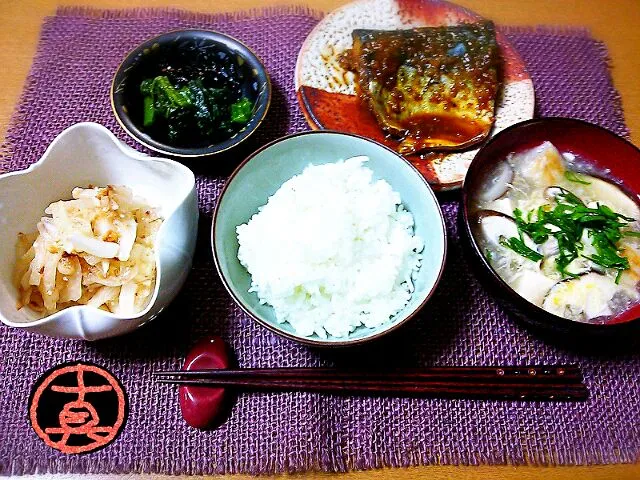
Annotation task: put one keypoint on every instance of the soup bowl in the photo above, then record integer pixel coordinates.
(601, 153)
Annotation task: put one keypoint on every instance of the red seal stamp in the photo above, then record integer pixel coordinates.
(78, 408)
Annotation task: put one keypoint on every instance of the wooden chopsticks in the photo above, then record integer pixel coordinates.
(534, 382)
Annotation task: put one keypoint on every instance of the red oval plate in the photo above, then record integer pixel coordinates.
(326, 91)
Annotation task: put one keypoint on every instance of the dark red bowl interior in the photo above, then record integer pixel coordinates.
(601, 148)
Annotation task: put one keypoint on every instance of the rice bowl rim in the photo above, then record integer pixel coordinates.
(308, 340)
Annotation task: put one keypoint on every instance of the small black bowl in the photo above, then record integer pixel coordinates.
(602, 150)
(194, 50)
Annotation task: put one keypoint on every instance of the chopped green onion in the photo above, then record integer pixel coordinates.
(575, 177)
(488, 255)
(572, 218)
(618, 277)
(518, 246)
(570, 198)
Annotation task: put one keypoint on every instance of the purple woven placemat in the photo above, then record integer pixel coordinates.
(69, 82)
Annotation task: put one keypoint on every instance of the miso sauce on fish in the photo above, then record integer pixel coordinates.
(563, 238)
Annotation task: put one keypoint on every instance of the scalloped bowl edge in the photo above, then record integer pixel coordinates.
(104, 160)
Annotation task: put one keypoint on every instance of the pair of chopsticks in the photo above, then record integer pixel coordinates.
(557, 382)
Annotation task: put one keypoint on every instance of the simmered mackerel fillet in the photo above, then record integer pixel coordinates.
(433, 87)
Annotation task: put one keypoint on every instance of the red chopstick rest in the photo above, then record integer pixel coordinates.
(202, 405)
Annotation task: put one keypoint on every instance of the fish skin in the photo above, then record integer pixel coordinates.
(434, 88)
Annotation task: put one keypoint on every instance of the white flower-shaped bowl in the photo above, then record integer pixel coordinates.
(88, 153)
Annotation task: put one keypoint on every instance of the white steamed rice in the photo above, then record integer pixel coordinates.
(332, 250)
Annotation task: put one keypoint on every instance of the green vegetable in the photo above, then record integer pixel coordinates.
(160, 97)
(192, 110)
(241, 110)
(575, 177)
(146, 87)
(568, 197)
(566, 222)
(488, 255)
(203, 115)
(175, 98)
(518, 246)
(149, 112)
(538, 233)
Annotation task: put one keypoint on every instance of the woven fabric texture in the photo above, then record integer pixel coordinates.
(462, 324)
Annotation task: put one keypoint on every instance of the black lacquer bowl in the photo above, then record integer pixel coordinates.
(604, 151)
(187, 49)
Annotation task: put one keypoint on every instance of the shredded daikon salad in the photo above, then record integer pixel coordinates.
(97, 250)
(333, 249)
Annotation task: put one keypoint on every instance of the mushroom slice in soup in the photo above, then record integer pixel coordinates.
(501, 205)
(498, 182)
(578, 266)
(495, 226)
(493, 230)
(606, 193)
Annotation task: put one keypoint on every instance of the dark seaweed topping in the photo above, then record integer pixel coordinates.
(196, 98)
